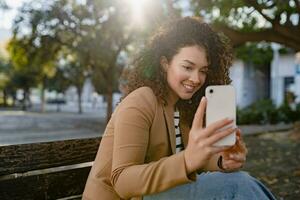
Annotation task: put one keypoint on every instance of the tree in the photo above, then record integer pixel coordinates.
(72, 73)
(254, 20)
(113, 35)
(7, 78)
(3, 5)
(25, 73)
(39, 45)
(95, 32)
(4, 78)
(58, 83)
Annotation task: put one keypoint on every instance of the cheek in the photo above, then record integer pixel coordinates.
(203, 78)
(177, 76)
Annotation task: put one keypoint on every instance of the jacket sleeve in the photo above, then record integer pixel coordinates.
(131, 177)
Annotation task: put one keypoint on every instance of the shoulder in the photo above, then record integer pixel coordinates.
(143, 91)
(142, 95)
(141, 98)
(140, 102)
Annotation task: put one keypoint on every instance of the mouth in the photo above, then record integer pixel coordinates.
(189, 88)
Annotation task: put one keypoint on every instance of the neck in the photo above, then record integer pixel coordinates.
(172, 99)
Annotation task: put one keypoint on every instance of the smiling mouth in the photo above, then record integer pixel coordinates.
(189, 88)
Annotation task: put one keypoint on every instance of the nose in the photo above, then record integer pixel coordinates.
(195, 77)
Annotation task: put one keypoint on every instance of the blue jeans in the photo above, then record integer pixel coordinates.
(217, 186)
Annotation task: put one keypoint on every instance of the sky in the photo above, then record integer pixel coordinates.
(7, 17)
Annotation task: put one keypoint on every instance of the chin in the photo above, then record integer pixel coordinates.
(186, 96)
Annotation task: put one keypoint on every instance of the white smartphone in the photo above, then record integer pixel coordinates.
(221, 104)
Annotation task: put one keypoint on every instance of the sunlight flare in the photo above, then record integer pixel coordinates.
(137, 10)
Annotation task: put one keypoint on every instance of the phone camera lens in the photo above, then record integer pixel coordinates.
(211, 91)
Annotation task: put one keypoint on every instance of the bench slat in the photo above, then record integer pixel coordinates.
(45, 186)
(27, 157)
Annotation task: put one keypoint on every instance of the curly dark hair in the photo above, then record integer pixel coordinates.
(170, 38)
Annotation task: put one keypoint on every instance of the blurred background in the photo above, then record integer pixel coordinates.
(63, 67)
(72, 53)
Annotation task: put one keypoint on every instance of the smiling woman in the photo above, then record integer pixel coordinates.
(155, 142)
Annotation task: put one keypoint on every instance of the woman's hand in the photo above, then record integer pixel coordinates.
(200, 144)
(234, 158)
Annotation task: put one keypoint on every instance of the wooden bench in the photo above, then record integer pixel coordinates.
(49, 170)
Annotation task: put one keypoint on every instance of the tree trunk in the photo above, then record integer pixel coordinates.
(79, 100)
(43, 97)
(14, 98)
(4, 98)
(57, 104)
(28, 99)
(25, 93)
(109, 99)
(240, 37)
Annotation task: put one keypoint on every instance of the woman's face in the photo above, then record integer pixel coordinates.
(186, 72)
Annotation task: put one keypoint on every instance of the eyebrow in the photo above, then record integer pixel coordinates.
(190, 62)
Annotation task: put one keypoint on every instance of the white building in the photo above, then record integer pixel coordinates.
(252, 85)
(285, 73)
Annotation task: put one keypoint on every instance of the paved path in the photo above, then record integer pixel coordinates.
(255, 129)
(17, 127)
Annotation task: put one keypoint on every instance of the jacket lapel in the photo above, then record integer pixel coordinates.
(184, 130)
(168, 115)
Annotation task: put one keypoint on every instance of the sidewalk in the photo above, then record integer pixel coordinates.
(17, 127)
(256, 129)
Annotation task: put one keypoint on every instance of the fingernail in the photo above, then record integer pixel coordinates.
(229, 119)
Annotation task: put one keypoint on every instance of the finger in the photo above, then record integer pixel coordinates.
(239, 135)
(217, 125)
(220, 135)
(215, 150)
(199, 115)
(232, 165)
(237, 158)
(241, 146)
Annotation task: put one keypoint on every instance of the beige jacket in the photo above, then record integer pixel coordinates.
(137, 156)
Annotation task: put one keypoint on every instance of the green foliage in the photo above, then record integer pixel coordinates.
(253, 20)
(265, 112)
(261, 112)
(259, 54)
(24, 72)
(4, 77)
(286, 114)
(234, 13)
(59, 82)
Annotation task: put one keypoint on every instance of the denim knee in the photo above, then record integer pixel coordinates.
(235, 185)
(239, 177)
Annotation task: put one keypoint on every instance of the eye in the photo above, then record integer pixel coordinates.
(188, 68)
(203, 71)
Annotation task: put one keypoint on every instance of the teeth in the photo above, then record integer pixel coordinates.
(188, 87)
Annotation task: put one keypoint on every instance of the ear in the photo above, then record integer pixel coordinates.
(164, 63)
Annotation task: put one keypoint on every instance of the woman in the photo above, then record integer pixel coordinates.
(155, 143)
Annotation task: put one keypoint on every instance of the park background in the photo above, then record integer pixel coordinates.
(63, 64)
